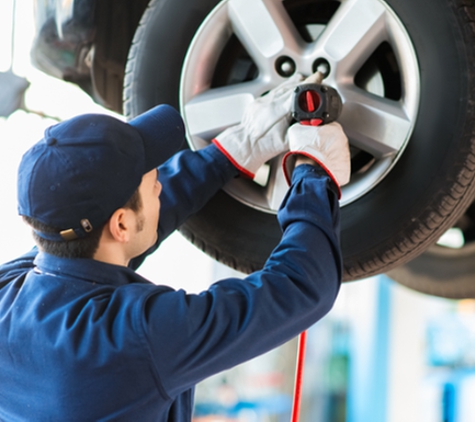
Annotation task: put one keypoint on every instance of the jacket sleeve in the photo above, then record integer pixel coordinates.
(194, 336)
(189, 180)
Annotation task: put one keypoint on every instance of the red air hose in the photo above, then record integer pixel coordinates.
(299, 376)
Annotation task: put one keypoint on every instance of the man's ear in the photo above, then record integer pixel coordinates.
(119, 225)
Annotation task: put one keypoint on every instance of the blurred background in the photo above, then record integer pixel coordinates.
(384, 353)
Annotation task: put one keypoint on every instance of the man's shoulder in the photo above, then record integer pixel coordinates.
(17, 267)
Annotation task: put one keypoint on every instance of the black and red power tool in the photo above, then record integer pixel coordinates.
(315, 104)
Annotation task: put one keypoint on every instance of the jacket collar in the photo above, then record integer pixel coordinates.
(87, 270)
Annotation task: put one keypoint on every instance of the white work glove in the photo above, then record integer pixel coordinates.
(327, 145)
(261, 134)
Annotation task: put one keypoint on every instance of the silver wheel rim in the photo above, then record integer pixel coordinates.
(377, 126)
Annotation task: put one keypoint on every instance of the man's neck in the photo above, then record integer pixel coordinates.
(111, 253)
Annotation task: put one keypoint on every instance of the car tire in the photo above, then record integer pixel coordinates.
(396, 218)
(447, 268)
(439, 272)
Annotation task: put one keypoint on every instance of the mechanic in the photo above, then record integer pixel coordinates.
(83, 336)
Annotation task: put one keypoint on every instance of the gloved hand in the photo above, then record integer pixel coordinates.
(327, 145)
(261, 134)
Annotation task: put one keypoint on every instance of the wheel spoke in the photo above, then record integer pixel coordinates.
(353, 33)
(277, 186)
(374, 124)
(264, 28)
(212, 111)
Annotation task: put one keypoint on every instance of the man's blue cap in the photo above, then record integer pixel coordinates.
(87, 167)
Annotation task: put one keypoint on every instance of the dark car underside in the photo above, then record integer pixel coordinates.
(87, 42)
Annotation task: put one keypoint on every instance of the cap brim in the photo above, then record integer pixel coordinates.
(163, 133)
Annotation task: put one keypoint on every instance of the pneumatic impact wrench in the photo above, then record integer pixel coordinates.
(316, 104)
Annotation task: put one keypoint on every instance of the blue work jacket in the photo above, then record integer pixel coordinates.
(82, 340)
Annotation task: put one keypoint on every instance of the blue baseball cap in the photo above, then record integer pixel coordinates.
(87, 167)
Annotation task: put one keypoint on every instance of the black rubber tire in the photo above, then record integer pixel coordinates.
(444, 270)
(440, 272)
(419, 199)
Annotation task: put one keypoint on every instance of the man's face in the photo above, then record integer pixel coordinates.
(147, 217)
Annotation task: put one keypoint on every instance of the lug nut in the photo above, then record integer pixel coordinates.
(285, 66)
(321, 65)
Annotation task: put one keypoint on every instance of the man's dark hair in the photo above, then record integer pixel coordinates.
(84, 247)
